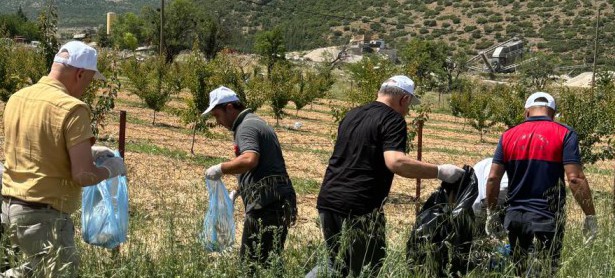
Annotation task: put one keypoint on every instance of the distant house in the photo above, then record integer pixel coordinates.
(19, 39)
(366, 43)
(85, 36)
(80, 36)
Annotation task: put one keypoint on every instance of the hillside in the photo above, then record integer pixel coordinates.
(77, 13)
(564, 27)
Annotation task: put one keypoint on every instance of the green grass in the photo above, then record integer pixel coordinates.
(176, 252)
(306, 186)
(177, 255)
(152, 149)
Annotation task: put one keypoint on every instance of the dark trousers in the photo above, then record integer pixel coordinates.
(264, 232)
(354, 241)
(538, 235)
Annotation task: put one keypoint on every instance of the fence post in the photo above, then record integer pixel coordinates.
(122, 135)
(419, 157)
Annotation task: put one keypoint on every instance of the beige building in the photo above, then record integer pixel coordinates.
(111, 17)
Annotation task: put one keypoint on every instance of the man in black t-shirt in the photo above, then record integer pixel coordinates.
(370, 148)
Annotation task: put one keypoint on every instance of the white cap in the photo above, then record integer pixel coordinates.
(220, 96)
(404, 83)
(80, 55)
(531, 101)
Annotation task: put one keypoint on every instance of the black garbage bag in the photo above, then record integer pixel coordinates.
(441, 239)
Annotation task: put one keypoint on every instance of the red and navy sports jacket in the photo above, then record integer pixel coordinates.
(534, 154)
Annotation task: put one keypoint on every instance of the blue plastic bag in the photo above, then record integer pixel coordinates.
(104, 216)
(219, 226)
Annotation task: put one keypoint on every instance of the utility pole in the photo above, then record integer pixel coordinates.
(161, 47)
(595, 51)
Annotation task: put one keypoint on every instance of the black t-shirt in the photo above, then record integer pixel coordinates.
(357, 180)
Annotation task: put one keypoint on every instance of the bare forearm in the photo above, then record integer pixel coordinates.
(240, 164)
(493, 191)
(496, 172)
(411, 168)
(582, 194)
(91, 176)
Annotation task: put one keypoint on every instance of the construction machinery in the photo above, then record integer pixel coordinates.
(501, 58)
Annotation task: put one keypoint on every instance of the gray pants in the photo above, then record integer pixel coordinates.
(45, 237)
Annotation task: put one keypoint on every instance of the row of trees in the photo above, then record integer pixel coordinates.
(275, 80)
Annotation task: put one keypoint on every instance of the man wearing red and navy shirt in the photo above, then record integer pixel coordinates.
(536, 155)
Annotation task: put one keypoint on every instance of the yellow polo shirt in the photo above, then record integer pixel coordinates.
(41, 123)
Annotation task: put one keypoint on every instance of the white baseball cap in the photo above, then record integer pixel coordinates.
(531, 101)
(80, 55)
(404, 83)
(220, 95)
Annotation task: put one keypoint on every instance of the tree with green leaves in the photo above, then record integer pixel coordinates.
(126, 23)
(281, 80)
(185, 24)
(508, 104)
(155, 94)
(592, 115)
(475, 105)
(310, 85)
(129, 41)
(20, 66)
(426, 61)
(18, 25)
(198, 73)
(101, 94)
(271, 48)
(48, 26)
(537, 73)
(366, 76)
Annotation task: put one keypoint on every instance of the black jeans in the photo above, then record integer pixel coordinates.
(264, 232)
(354, 241)
(541, 236)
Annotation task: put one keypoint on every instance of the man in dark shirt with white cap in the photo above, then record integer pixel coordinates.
(370, 149)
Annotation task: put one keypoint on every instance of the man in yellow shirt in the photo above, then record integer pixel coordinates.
(49, 157)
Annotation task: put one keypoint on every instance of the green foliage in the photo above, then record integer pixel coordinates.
(248, 86)
(282, 81)
(425, 62)
(270, 46)
(476, 106)
(592, 115)
(48, 26)
(185, 25)
(155, 94)
(128, 23)
(367, 76)
(129, 41)
(101, 94)
(508, 104)
(537, 73)
(17, 25)
(197, 74)
(20, 66)
(311, 84)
